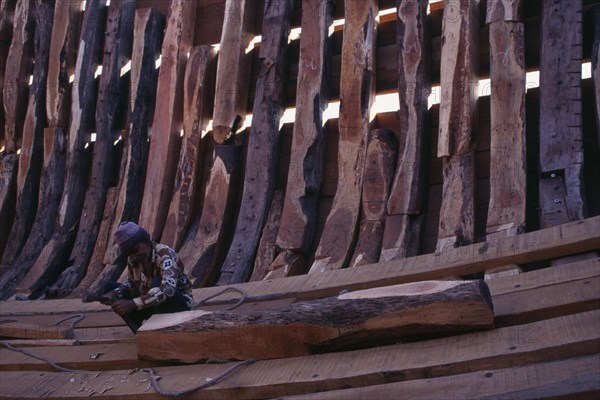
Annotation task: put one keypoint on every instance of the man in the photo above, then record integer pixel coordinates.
(156, 284)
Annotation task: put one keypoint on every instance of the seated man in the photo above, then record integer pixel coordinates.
(157, 283)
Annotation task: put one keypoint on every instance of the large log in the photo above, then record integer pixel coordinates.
(263, 144)
(355, 319)
(380, 163)
(267, 247)
(561, 143)
(197, 91)
(458, 113)
(299, 216)
(7, 11)
(595, 61)
(405, 204)
(53, 258)
(165, 141)
(30, 159)
(112, 92)
(356, 95)
(8, 182)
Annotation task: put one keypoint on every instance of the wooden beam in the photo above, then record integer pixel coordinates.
(267, 249)
(504, 10)
(262, 155)
(197, 95)
(595, 61)
(329, 324)
(356, 94)
(405, 204)
(21, 330)
(9, 164)
(7, 12)
(165, 141)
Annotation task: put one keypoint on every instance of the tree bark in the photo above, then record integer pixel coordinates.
(165, 141)
(351, 320)
(357, 86)
(263, 145)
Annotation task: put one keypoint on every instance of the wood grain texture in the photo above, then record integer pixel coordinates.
(504, 10)
(9, 165)
(334, 323)
(267, 249)
(165, 141)
(595, 61)
(262, 155)
(7, 11)
(356, 95)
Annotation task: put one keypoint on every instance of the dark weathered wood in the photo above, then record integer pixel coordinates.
(147, 41)
(32, 147)
(356, 95)
(233, 68)
(165, 141)
(458, 112)
(263, 144)
(51, 187)
(504, 10)
(334, 323)
(112, 92)
(595, 61)
(561, 144)
(405, 204)
(8, 179)
(197, 91)
(305, 173)
(267, 247)
(380, 164)
(34, 331)
(7, 11)
(53, 258)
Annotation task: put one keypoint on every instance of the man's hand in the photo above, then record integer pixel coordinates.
(108, 298)
(123, 307)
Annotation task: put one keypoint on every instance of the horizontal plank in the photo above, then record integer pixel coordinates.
(549, 340)
(34, 331)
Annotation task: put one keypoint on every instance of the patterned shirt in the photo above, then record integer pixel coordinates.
(164, 263)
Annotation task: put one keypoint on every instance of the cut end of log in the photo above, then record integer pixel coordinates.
(165, 320)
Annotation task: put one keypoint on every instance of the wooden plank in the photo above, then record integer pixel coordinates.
(357, 87)
(383, 315)
(509, 347)
(504, 10)
(458, 112)
(165, 141)
(405, 204)
(305, 173)
(7, 12)
(380, 163)
(112, 92)
(561, 151)
(8, 179)
(571, 378)
(21, 330)
(267, 249)
(197, 91)
(595, 61)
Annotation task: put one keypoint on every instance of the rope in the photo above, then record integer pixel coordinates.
(78, 316)
(229, 289)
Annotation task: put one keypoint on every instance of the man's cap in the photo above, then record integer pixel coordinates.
(127, 236)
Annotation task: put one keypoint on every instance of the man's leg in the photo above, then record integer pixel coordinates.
(133, 319)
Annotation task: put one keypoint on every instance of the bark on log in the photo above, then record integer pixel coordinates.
(380, 163)
(356, 319)
(147, 41)
(112, 92)
(405, 204)
(165, 141)
(299, 215)
(458, 113)
(197, 92)
(233, 68)
(53, 258)
(7, 11)
(8, 189)
(30, 159)
(263, 145)
(595, 61)
(356, 94)
(51, 189)
(504, 10)
(506, 213)
(267, 248)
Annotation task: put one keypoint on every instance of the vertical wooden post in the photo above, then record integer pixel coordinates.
(356, 94)
(299, 216)
(165, 141)
(405, 213)
(263, 144)
(458, 113)
(7, 11)
(595, 62)
(267, 248)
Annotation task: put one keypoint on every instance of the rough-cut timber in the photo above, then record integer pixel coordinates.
(380, 163)
(197, 91)
(595, 61)
(506, 213)
(263, 144)
(561, 144)
(7, 11)
(32, 147)
(233, 68)
(165, 141)
(112, 92)
(357, 85)
(405, 207)
(51, 188)
(354, 319)
(305, 173)
(53, 258)
(147, 40)
(8, 177)
(267, 247)
(458, 112)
